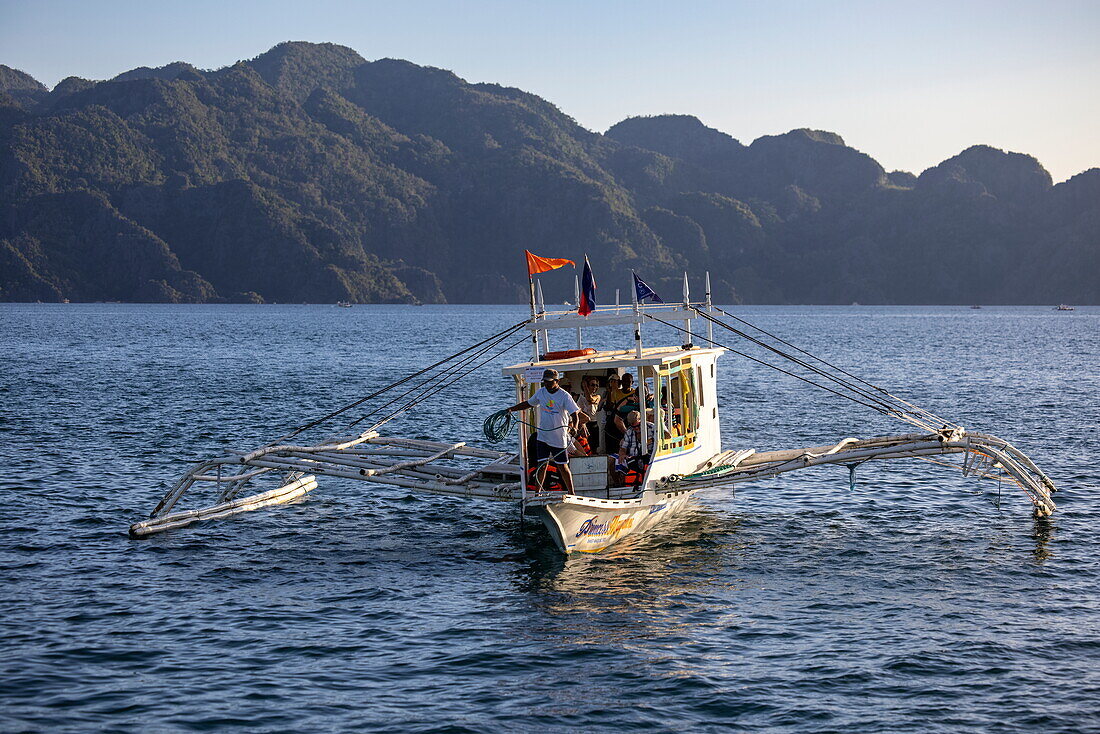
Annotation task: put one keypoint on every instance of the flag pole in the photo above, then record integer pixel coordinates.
(641, 376)
(534, 332)
(710, 309)
(536, 264)
(542, 314)
(577, 303)
(687, 322)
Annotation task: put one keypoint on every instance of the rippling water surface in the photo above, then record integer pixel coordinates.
(920, 601)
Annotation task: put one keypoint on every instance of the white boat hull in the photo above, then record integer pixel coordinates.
(589, 525)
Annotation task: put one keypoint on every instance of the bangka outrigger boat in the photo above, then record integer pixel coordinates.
(688, 455)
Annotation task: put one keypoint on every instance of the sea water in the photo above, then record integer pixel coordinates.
(917, 601)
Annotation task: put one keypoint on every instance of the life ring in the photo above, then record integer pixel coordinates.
(568, 354)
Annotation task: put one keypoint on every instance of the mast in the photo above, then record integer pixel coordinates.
(710, 326)
(577, 303)
(687, 322)
(644, 435)
(637, 326)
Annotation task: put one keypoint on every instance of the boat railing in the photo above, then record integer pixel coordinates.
(622, 309)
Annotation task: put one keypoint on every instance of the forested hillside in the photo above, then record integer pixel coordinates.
(308, 174)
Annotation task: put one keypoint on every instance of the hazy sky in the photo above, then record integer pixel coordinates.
(910, 83)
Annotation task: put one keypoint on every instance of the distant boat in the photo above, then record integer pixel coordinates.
(1063, 307)
(975, 307)
(344, 304)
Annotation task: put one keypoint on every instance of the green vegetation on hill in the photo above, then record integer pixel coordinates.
(308, 174)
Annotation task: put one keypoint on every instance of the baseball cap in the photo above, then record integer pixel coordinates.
(551, 375)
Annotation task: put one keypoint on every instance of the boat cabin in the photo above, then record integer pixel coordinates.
(677, 385)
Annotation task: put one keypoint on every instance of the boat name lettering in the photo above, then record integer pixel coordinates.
(657, 508)
(614, 526)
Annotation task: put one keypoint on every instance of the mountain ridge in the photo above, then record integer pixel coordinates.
(311, 174)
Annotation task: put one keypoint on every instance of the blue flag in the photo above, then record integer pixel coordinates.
(644, 291)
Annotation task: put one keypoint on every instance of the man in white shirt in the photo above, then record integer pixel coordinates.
(558, 416)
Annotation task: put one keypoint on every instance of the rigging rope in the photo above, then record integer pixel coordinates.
(901, 401)
(898, 408)
(312, 424)
(497, 425)
(876, 404)
(449, 372)
(429, 393)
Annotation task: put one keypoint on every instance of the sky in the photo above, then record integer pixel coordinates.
(909, 83)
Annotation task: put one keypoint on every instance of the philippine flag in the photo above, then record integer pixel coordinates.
(588, 290)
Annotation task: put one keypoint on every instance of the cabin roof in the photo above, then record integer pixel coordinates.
(615, 358)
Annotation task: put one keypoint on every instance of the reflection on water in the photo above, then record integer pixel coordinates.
(641, 598)
(1043, 531)
(637, 585)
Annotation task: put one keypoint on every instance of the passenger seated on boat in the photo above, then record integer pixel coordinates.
(631, 456)
(558, 417)
(630, 404)
(615, 393)
(591, 401)
(568, 387)
(579, 446)
(612, 434)
(625, 404)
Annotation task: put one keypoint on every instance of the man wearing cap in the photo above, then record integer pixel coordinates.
(559, 415)
(631, 455)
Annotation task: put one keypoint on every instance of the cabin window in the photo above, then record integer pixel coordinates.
(689, 407)
(678, 409)
(699, 386)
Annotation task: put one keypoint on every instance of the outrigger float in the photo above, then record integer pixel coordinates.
(688, 452)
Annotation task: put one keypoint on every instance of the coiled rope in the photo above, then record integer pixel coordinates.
(498, 425)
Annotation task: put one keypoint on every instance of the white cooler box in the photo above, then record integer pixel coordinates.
(589, 472)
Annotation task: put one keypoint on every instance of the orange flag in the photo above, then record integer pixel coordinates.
(536, 264)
